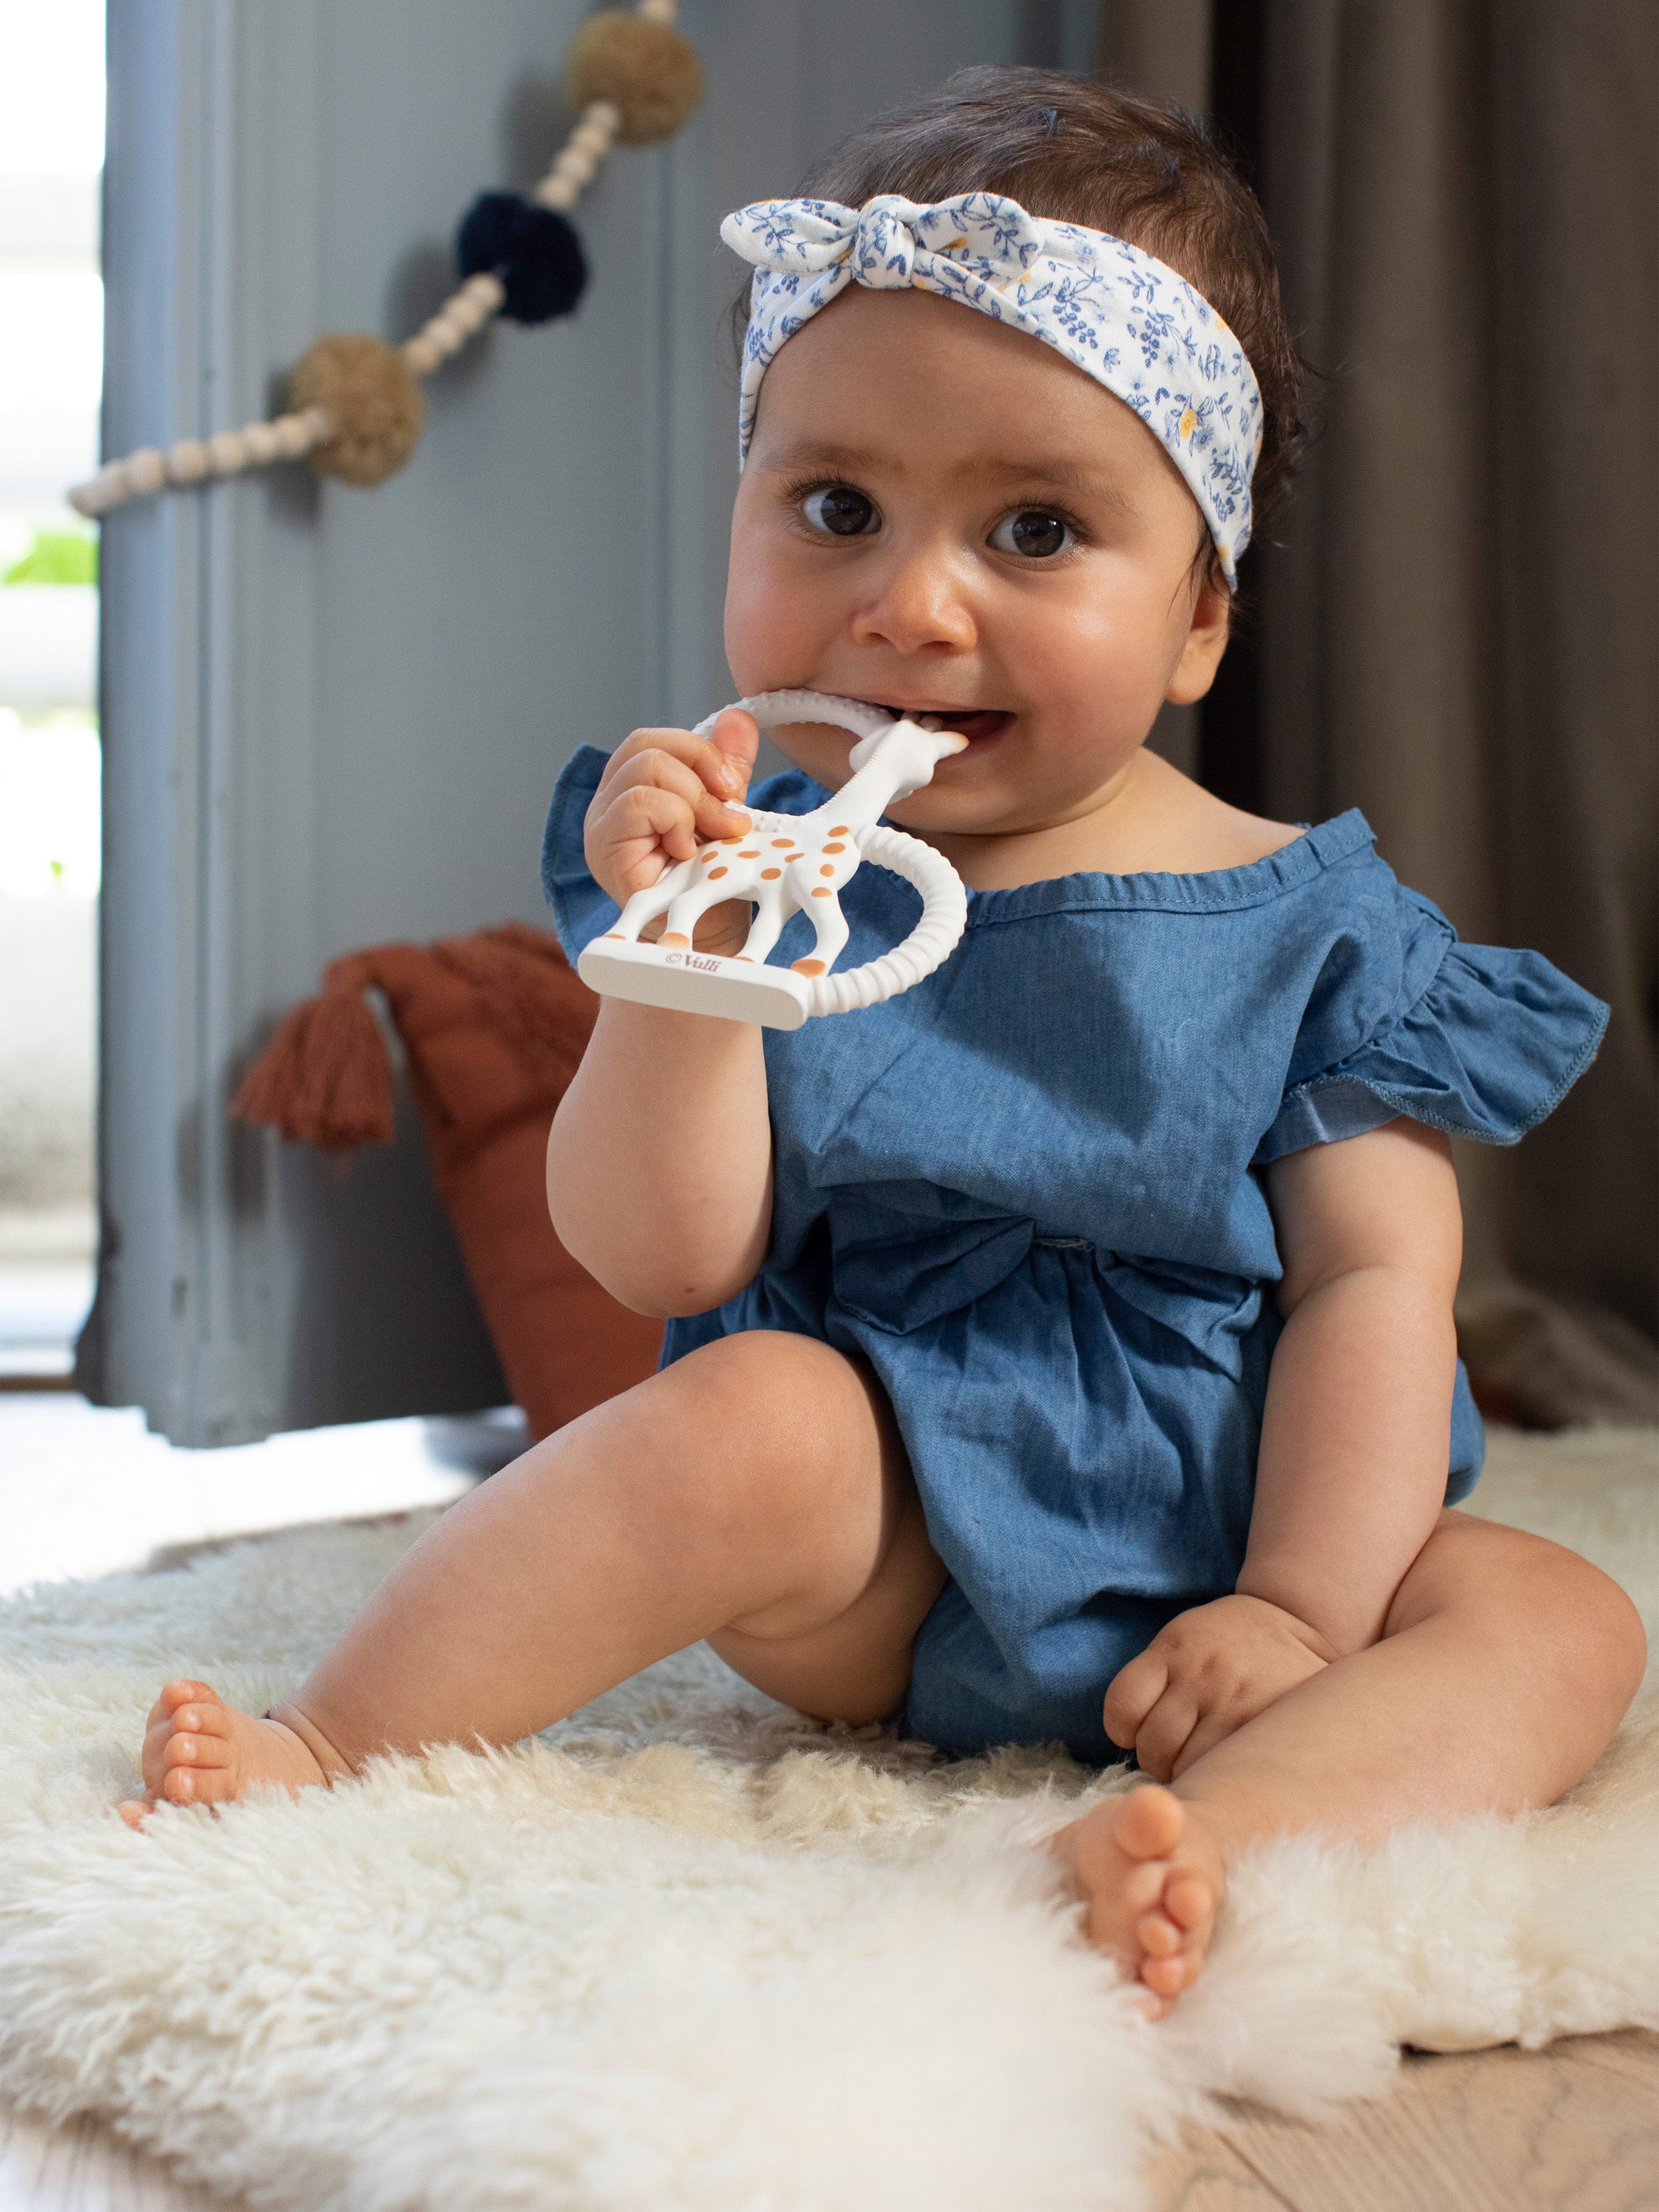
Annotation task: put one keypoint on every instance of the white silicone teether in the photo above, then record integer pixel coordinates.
(788, 863)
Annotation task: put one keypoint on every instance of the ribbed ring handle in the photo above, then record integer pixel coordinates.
(932, 942)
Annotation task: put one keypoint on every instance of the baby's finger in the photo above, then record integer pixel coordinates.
(642, 825)
(736, 737)
(725, 777)
(1161, 1736)
(1134, 1690)
(1210, 1729)
(654, 767)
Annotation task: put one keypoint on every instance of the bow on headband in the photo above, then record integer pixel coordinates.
(1126, 319)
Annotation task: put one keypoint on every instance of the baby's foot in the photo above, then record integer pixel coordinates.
(1148, 1867)
(200, 1751)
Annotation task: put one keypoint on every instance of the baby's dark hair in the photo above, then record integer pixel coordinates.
(1073, 149)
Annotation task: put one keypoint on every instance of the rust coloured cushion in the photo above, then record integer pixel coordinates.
(495, 1025)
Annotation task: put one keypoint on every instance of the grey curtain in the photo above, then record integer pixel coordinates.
(1457, 624)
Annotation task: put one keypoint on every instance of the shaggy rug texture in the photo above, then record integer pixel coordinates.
(688, 1951)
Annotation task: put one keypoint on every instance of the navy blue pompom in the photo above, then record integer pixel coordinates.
(533, 250)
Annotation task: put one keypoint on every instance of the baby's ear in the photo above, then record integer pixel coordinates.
(737, 734)
(1206, 639)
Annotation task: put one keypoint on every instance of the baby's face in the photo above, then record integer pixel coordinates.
(941, 515)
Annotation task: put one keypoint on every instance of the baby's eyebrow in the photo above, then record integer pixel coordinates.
(1054, 473)
(817, 453)
(1038, 472)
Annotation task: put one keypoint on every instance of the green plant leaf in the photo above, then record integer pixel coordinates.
(56, 557)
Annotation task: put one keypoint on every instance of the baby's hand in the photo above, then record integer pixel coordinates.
(663, 792)
(1204, 1676)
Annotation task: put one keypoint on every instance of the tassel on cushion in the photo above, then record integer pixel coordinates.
(324, 1077)
(493, 1025)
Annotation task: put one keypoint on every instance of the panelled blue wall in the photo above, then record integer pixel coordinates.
(334, 717)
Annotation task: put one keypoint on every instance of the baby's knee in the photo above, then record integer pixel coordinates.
(1549, 1598)
(774, 1425)
(1593, 1624)
(1606, 1627)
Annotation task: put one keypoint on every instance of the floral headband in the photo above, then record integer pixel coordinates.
(1128, 320)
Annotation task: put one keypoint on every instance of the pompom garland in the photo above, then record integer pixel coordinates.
(644, 68)
(356, 412)
(372, 402)
(534, 251)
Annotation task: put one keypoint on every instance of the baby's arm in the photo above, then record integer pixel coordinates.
(1352, 1474)
(1352, 1466)
(659, 1161)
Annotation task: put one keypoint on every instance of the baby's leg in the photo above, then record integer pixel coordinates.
(1505, 1665)
(754, 1493)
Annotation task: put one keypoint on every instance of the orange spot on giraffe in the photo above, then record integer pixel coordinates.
(807, 967)
(834, 848)
(749, 856)
(782, 844)
(839, 830)
(673, 937)
(771, 875)
(714, 874)
(822, 892)
(613, 933)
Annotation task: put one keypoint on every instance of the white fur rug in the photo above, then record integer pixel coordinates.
(689, 1952)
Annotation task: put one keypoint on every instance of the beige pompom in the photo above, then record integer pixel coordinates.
(645, 70)
(365, 388)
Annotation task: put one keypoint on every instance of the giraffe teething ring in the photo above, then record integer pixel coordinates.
(788, 863)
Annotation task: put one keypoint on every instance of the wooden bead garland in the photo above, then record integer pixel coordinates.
(356, 411)
(368, 393)
(642, 68)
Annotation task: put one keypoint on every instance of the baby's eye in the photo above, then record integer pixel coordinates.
(842, 511)
(1034, 533)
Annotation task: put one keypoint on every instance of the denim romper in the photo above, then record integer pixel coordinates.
(1029, 1191)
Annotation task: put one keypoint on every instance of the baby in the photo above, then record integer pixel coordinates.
(1062, 1350)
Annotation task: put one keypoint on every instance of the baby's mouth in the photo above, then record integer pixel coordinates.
(976, 724)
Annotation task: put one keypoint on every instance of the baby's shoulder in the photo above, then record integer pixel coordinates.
(1189, 831)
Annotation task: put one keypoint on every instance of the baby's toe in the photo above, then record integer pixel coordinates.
(196, 1770)
(201, 1718)
(1167, 1978)
(1141, 1889)
(1189, 1900)
(1174, 1934)
(184, 1691)
(1158, 1936)
(1148, 1823)
(186, 1750)
(199, 1785)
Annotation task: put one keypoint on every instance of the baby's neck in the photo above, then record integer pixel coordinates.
(1149, 819)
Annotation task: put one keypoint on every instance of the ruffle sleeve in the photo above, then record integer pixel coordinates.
(1479, 1042)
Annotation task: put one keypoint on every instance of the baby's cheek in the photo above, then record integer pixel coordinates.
(778, 621)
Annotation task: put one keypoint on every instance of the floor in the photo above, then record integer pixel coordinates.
(1573, 2129)
(86, 1492)
(46, 1273)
